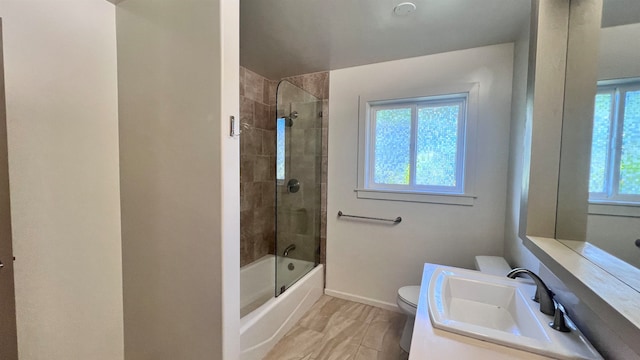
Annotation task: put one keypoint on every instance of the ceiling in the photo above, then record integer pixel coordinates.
(280, 38)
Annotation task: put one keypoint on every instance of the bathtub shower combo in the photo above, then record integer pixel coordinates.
(277, 289)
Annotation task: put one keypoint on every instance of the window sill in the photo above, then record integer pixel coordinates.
(609, 208)
(411, 196)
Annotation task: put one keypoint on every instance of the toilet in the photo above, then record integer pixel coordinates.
(408, 303)
(407, 298)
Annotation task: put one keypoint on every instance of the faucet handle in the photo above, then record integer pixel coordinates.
(558, 322)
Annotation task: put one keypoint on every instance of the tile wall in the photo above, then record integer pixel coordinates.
(257, 156)
(257, 172)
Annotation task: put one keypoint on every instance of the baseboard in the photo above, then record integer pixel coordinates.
(362, 300)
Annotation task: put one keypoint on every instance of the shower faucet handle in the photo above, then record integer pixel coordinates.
(293, 185)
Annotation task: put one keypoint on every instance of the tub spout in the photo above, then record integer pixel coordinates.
(288, 249)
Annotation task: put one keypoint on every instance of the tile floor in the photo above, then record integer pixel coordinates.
(338, 329)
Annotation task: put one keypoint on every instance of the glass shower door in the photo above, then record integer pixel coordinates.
(298, 172)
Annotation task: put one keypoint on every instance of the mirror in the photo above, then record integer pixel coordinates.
(613, 222)
(613, 209)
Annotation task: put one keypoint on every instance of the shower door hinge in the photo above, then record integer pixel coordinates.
(232, 127)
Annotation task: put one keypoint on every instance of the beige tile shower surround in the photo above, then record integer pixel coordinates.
(341, 329)
(257, 153)
(257, 159)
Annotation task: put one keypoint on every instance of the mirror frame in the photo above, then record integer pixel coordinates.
(581, 79)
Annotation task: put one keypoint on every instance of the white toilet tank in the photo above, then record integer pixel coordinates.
(494, 265)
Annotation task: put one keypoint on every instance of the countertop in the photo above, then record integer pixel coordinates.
(431, 343)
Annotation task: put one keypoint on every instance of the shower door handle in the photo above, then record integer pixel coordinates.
(232, 127)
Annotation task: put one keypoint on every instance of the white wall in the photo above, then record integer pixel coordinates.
(178, 83)
(615, 235)
(229, 72)
(616, 59)
(61, 87)
(371, 261)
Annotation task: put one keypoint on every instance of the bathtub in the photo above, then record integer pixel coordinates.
(263, 327)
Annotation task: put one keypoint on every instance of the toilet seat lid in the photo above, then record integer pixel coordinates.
(409, 294)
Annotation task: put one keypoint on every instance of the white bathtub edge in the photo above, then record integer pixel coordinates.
(298, 298)
(362, 300)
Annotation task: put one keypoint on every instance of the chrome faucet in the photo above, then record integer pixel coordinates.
(288, 249)
(543, 295)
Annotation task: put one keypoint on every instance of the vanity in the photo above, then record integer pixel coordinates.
(431, 342)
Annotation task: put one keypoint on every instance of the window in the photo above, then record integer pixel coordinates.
(416, 148)
(418, 145)
(615, 148)
(280, 149)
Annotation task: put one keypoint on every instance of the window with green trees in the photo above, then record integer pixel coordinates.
(615, 149)
(418, 146)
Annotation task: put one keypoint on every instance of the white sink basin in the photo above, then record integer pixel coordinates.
(500, 310)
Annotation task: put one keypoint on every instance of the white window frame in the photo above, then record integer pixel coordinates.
(463, 193)
(602, 201)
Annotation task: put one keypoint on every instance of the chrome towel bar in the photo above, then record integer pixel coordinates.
(395, 221)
